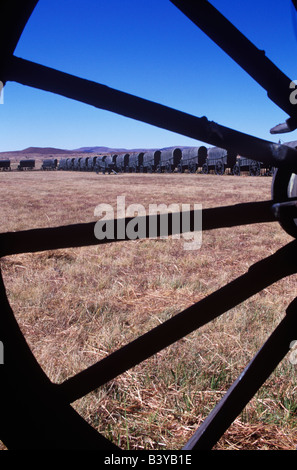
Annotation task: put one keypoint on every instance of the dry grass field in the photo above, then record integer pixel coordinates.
(75, 306)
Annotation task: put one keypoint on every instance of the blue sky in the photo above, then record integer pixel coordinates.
(150, 49)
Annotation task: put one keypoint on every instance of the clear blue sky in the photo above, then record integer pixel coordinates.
(150, 49)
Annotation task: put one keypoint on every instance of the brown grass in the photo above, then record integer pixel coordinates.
(75, 306)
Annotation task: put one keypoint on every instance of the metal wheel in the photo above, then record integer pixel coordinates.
(236, 169)
(36, 413)
(254, 169)
(205, 169)
(192, 167)
(219, 168)
(168, 167)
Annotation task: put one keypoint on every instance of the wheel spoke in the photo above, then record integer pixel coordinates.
(14, 16)
(259, 276)
(103, 97)
(244, 52)
(247, 384)
(70, 236)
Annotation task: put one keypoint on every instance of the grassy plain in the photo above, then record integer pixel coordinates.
(75, 306)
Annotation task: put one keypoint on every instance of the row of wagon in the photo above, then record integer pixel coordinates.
(5, 165)
(29, 164)
(190, 159)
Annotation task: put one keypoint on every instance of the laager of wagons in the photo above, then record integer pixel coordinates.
(189, 159)
(27, 164)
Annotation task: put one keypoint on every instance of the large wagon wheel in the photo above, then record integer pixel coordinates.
(36, 413)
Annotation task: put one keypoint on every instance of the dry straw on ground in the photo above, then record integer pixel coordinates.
(75, 306)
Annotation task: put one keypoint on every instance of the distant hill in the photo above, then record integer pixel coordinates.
(37, 151)
(108, 150)
(45, 150)
(98, 150)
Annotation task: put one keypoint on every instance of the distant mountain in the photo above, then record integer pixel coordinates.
(175, 146)
(44, 150)
(107, 150)
(98, 150)
(38, 150)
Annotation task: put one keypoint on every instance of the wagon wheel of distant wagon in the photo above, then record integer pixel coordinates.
(149, 168)
(205, 168)
(36, 413)
(254, 169)
(236, 169)
(192, 167)
(168, 167)
(179, 168)
(219, 168)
